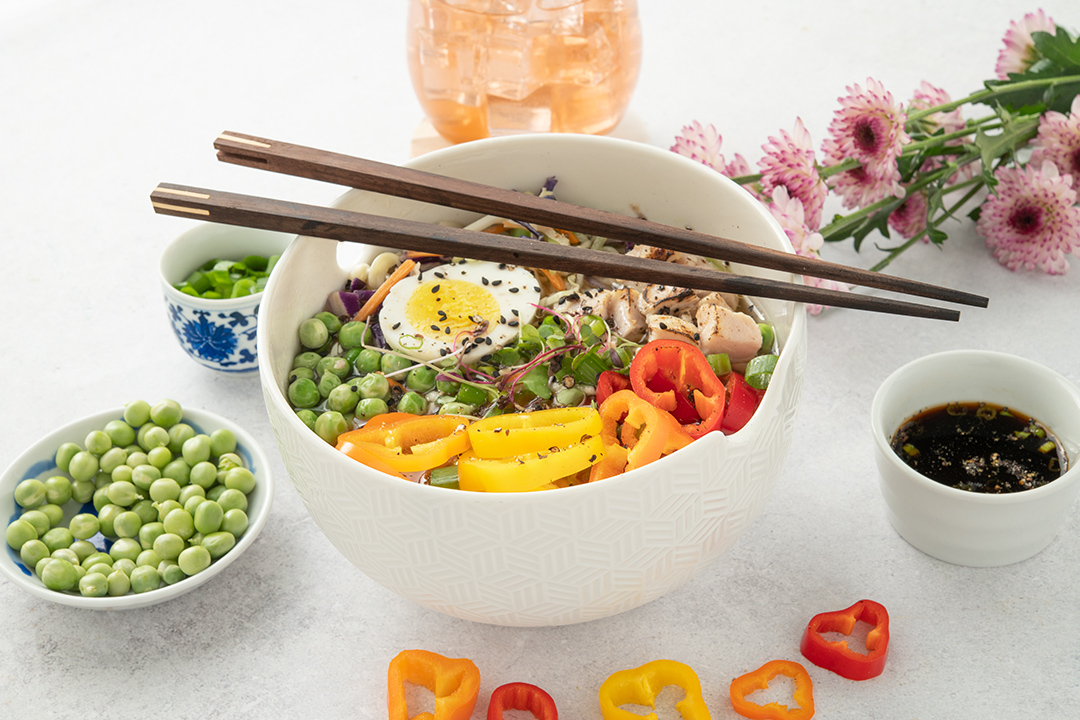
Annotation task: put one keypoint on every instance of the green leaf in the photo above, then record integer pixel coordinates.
(975, 214)
(878, 221)
(1060, 49)
(936, 236)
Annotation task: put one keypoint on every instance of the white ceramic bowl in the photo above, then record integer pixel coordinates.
(38, 461)
(217, 334)
(563, 556)
(959, 526)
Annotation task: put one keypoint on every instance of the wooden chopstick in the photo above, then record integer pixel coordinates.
(348, 226)
(290, 159)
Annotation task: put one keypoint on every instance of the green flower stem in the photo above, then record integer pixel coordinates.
(989, 94)
(895, 252)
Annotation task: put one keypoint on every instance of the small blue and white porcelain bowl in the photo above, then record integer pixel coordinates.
(217, 334)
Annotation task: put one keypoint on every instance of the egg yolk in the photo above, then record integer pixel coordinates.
(447, 307)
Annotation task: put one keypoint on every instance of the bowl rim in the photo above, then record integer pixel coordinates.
(38, 452)
(882, 436)
(273, 391)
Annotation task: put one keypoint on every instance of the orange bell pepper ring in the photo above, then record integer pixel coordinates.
(412, 444)
(641, 685)
(635, 433)
(759, 680)
(455, 682)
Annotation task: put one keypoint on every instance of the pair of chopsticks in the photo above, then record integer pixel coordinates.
(343, 225)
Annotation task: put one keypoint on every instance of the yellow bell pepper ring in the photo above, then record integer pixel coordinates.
(641, 685)
(529, 471)
(532, 432)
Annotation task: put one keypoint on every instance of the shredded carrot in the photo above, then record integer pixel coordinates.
(496, 229)
(555, 279)
(383, 290)
(416, 254)
(394, 383)
(571, 236)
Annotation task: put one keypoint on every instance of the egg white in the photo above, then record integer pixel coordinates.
(473, 303)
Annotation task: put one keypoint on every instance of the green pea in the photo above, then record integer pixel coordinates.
(145, 579)
(370, 407)
(203, 474)
(196, 450)
(84, 526)
(82, 549)
(373, 386)
(413, 403)
(166, 507)
(457, 408)
(235, 522)
(179, 522)
(448, 387)
(120, 433)
(119, 584)
(127, 524)
(113, 458)
(334, 364)
(148, 557)
(59, 575)
(57, 490)
(304, 393)
(179, 434)
(146, 511)
(228, 461)
(392, 363)
(39, 568)
(343, 398)
(38, 519)
(194, 502)
(93, 585)
(65, 554)
(97, 558)
(156, 436)
(125, 548)
(240, 479)
(218, 543)
(208, 517)
(307, 360)
(177, 470)
(170, 572)
(303, 372)
(313, 333)
(106, 515)
(32, 551)
(123, 494)
(195, 539)
(169, 545)
(97, 442)
(18, 533)
(569, 397)
(82, 491)
(164, 489)
(330, 320)
(124, 565)
(327, 383)
(30, 493)
(471, 395)
(329, 425)
(55, 513)
(137, 413)
(149, 532)
(222, 441)
(194, 560)
(84, 466)
(102, 568)
(215, 492)
(124, 473)
(166, 414)
(64, 454)
(187, 492)
(231, 499)
(159, 457)
(367, 361)
(57, 538)
(420, 379)
(353, 334)
(307, 417)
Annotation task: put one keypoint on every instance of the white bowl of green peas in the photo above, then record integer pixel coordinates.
(118, 494)
(212, 277)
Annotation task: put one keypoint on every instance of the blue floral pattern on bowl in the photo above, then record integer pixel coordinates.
(218, 340)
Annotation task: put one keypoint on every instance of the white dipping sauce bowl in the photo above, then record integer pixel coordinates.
(960, 526)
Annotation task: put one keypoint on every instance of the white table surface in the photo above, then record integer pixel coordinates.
(103, 100)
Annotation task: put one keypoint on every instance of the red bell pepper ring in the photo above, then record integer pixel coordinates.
(742, 403)
(608, 383)
(675, 376)
(836, 655)
(521, 696)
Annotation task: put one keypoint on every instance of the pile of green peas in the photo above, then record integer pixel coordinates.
(336, 381)
(168, 501)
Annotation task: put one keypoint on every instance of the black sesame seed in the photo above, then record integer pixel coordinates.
(502, 319)
(435, 328)
(663, 326)
(513, 323)
(395, 326)
(446, 330)
(484, 280)
(496, 283)
(502, 266)
(515, 311)
(435, 288)
(514, 290)
(440, 275)
(536, 288)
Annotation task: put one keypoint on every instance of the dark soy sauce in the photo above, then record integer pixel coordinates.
(980, 447)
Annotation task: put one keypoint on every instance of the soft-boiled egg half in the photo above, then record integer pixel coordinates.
(474, 304)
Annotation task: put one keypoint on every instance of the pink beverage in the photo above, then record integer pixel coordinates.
(497, 67)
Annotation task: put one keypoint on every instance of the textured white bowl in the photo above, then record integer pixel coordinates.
(959, 526)
(39, 459)
(217, 334)
(557, 557)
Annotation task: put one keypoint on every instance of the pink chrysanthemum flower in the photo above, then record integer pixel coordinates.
(790, 213)
(789, 163)
(1019, 52)
(1059, 141)
(1030, 221)
(866, 185)
(928, 96)
(910, 218)
(868, 127)
(702, 143)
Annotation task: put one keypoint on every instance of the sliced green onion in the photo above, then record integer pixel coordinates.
(588, 366)
(768, 337)
(1047, 446)
(759, 371)
(910, 450)
(720, 363)
(444, 477)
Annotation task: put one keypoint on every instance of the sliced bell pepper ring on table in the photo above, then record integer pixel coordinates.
(641, 685)
(744, 685)
(455, 682)
(635, 433)
(521, 696)
(835, 655)
(412, 444)
(675, 376)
